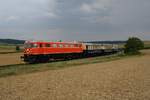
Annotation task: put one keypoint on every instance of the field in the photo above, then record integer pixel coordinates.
(10, 58)
(124, 79)
(9, 55)
(8, 48)
(147, 44)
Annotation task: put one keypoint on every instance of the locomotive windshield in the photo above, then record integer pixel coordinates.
(30, 45)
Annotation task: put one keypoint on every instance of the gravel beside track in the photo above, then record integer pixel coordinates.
(125, 79)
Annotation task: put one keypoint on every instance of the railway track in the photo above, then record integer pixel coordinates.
(14, 59)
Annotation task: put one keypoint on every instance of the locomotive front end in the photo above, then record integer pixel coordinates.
(29, 49)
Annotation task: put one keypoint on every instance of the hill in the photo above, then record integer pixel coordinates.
(11, 41)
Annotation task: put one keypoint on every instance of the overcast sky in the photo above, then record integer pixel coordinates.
(74, 19)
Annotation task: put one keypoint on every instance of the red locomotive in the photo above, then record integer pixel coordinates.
(44, 51)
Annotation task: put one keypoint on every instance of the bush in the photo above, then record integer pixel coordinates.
(17, 48)
(133, 45)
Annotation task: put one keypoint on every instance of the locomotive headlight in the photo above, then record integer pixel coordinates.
(27, 50)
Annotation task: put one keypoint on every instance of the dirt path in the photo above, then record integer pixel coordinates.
(11, 58)
(126, 79)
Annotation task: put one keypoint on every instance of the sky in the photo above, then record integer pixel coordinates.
(70, 20)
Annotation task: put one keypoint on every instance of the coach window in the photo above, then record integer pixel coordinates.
(48, 45)
(54, 45)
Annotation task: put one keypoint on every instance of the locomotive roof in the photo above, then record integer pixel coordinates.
(51, 42)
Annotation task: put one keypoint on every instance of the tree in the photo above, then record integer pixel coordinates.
(133, 45)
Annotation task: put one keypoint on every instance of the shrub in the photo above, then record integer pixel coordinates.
(17, 48)
(133, 45)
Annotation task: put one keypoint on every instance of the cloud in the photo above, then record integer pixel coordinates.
(96, 6)
(86, 8)
(26, 9)
(131, 16)
(75, 19)
(26, 15)
(12, 18)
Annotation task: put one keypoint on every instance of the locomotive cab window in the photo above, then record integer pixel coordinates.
(34, 45)
(27, 45)
(30, 45)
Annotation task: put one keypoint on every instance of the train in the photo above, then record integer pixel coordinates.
(39, 51)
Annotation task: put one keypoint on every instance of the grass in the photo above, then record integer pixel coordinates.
(146, 44)
(8, 52)
(8, 48)
(29, 68)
